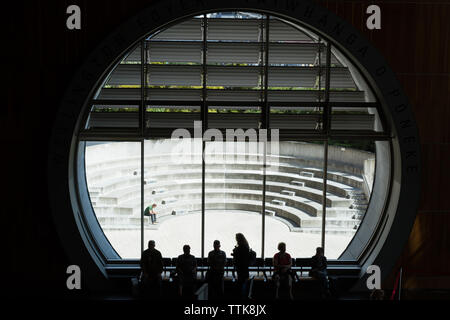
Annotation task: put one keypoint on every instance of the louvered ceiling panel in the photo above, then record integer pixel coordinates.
(339, 78)
(187, 30)
(301, 53)
(352, 122)
(293, 95)
(174, 94)
(292, 77)
(233, 76)
(323, 58)
(120, 94)
(347, 96)
(280, 31)
(134, 56)
(294, 121)
(233, 29)
(185, 52)
(169, 75)
(125, 74)
(234, 95)
(228, 52)
(229, 120)
(113, 119)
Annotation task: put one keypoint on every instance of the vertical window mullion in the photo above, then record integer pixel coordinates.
(204, 118)
(326, 127)
(142, 131)
(265, 125)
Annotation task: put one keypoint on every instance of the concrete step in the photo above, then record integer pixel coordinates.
(93, 193)
(112, 210)
(169, 200)
(116, 220)
(129, 192)
(306, 174)
(298, 183)
(288, 193)
(362, 207)
(279, 202)
(329, 222)
(179, 212)
(332, 231)
(137, 172)
(156, 191)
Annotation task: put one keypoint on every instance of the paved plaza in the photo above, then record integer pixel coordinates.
(172, 233)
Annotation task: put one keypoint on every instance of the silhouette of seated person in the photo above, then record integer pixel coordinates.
(152, 267)
(187, 273)
(150, 212)
(282, 263)
(216, 261)
(319, 271)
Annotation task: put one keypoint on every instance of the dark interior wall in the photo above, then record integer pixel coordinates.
(415, 41)
(43, 56)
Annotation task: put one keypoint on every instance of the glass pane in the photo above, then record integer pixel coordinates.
(233, 193)
(351, 170)
(294, 195)
(113, 180)
(172, 169)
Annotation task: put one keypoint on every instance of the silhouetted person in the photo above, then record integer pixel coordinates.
(282, 263)
(216, 261)
(152, 267)
(319, 271)
(187, 273)
(241, 259)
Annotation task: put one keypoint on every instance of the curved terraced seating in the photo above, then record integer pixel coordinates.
(127, 193)
(285, 163)
(285, 179)
(296, 219)
(154, 169)
(293, 190)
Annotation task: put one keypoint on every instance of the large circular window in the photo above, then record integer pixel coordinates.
(249, 121)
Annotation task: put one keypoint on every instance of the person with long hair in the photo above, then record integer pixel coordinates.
(241, 260)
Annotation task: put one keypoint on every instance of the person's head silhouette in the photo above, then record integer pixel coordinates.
(319, 251)
(282, 247)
